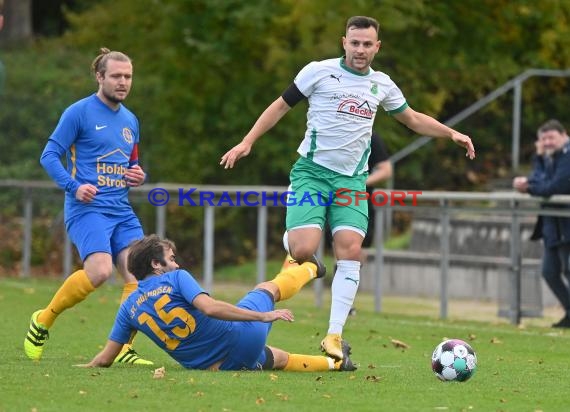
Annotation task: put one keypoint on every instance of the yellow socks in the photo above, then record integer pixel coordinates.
(291, 280)
(128, 288)
(289, 262)
(75, 288)
(309, 363)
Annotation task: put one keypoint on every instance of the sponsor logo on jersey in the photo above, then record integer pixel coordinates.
(355, 108)
(110, 169)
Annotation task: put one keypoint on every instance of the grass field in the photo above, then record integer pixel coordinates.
(519, 368)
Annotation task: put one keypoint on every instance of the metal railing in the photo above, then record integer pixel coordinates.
(514, 84)
(510, 204)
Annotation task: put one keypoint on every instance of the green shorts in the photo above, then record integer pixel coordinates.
(318, 194)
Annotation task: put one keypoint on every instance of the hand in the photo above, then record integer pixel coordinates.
(520, 184)
(234, 154)
(464, 141)
(539, 147)
(85, 193)
(135, 176)
(279, 314)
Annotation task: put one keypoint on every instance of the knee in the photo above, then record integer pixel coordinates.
(99, 276)
(271, 288)
(350, 252)
(302, 253)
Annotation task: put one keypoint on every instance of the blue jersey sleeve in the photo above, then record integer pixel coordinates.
(51, 162)
(122, 329)
(188, 286)
(58, 144)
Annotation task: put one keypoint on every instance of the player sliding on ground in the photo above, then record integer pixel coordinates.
(200, 332)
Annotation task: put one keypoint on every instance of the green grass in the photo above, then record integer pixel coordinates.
(520, 369)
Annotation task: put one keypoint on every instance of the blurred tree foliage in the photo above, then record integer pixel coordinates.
(205, 69)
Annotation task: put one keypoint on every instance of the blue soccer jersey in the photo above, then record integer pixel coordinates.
(99, 144)
(161, 308)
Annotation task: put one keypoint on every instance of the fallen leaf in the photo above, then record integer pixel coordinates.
(399, 344)
(371, 366)
(472, 336)
(273, 377)
(327, 396)
(260, 401)
(318, 378)
(496, 340)
(373, 378)
(159, 373)
(82, 392)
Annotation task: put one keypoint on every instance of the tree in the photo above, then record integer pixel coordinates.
(17, 21)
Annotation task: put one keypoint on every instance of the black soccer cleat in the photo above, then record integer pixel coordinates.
(346, 364)
(321, 268)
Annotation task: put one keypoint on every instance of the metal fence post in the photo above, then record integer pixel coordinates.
(208, 248)
(515, 149)
(444, 264)
(67, 255)
(378, 256)
(261, 242)
(516, 265)
(319, 283)
(27, 241)
(161, 221)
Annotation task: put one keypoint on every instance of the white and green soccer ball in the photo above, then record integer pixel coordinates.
(454, 360)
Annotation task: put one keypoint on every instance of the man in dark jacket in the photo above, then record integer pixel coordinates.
(551, 176)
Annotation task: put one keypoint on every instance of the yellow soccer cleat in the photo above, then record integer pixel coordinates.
(36, 338)
(332, 346)
(131, 356)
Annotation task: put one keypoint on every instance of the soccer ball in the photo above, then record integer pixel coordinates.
(454, 360)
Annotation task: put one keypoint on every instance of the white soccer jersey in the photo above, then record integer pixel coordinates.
(342, 107)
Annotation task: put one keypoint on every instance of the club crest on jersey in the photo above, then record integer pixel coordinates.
(374, 88)
(355, 109)
(127, 135)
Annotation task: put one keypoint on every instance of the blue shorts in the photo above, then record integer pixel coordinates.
(99, 232)
(248, 352)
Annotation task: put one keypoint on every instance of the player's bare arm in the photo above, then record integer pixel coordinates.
(269, 118)
(426, 125)
(222, 310)
(105, 358)
(382, 172)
